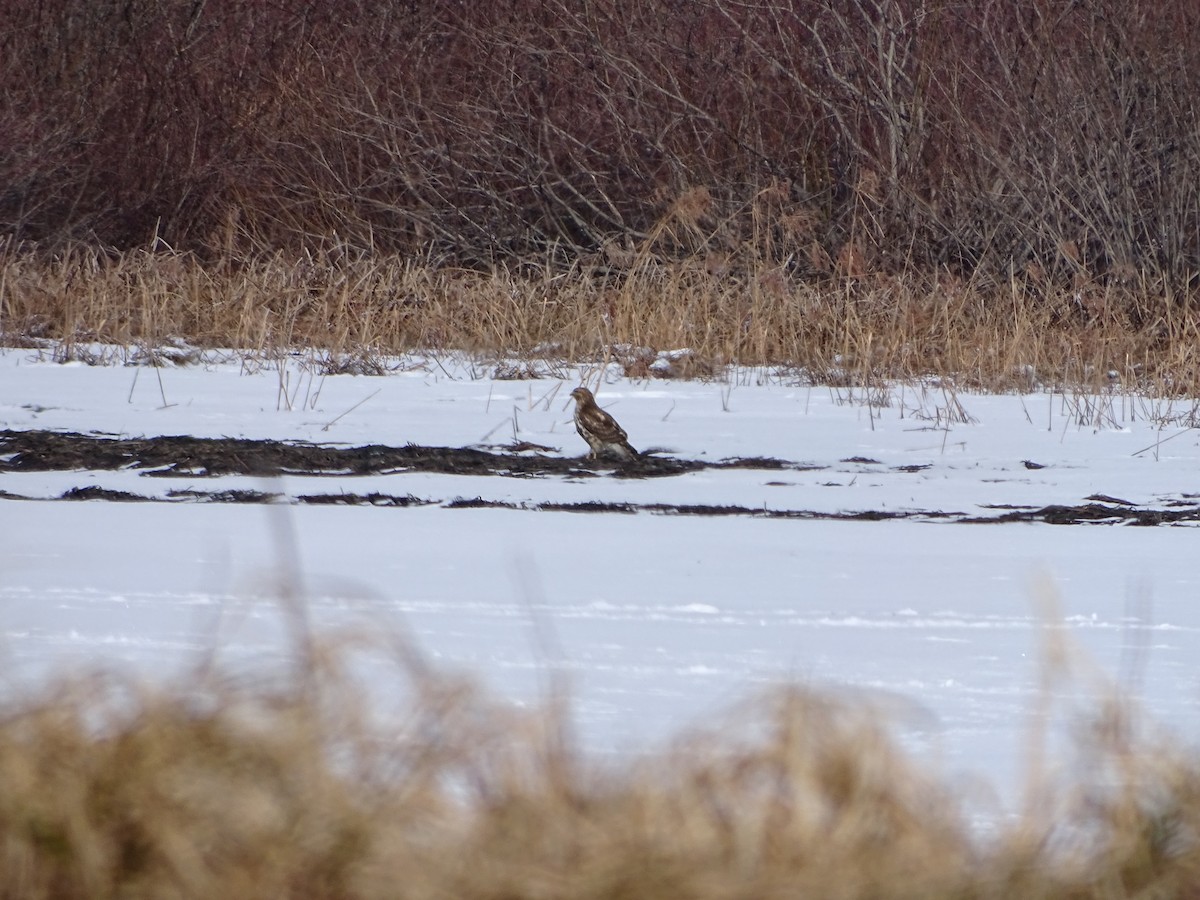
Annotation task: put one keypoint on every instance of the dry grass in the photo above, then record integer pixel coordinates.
(845, 330)
(290, 787)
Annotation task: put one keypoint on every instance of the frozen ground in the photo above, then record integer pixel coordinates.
(656, 619)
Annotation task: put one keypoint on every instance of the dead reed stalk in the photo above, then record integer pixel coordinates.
(354, 312)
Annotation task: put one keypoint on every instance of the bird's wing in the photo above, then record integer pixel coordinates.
(602, 425)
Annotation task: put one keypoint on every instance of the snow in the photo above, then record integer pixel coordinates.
(656, 620)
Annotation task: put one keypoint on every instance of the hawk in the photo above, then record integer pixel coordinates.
(599, 429)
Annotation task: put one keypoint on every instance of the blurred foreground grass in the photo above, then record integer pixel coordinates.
(220, 785)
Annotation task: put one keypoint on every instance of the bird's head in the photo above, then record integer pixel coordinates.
(582, 395)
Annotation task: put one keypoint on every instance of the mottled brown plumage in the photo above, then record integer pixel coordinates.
(599, 429)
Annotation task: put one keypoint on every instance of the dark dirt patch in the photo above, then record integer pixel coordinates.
(766, 463)
(192, 457)
(372, 499)
(766, 513)
(229, 496)
(1093, 513)
(99, 493)
(479, 503)
(590, 506)
(1089, 513)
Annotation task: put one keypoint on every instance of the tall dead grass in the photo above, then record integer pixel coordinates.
(849, 330)
(296, 786)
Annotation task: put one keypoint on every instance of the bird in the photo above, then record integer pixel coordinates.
(599, 429)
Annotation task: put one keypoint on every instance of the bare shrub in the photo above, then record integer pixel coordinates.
(879, 135)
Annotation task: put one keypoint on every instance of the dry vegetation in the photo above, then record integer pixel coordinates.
(220, 786)
(856, 332)
(1006, 192)
(1002, 191)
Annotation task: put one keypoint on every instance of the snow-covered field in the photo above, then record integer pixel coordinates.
(657, 620)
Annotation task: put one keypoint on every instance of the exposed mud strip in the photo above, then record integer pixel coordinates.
(192, 457)
(213, 457)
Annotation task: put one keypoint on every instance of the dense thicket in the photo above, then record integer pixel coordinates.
(1050, 138)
